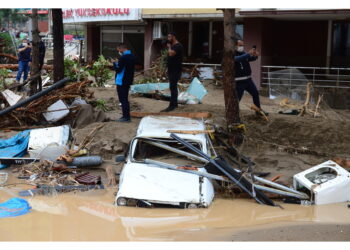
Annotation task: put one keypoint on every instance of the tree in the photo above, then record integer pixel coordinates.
(228, 65)
(8, 16)
(35, 82)
(58, 45)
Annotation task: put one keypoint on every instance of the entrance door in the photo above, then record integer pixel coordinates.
(200, 40)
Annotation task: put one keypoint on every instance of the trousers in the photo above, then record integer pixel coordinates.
(23, 67)
(174, 77)
(249, 86)
(123, 95)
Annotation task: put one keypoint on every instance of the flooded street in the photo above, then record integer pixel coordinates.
(91, 216)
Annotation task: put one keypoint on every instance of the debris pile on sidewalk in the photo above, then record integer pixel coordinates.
(36, 111)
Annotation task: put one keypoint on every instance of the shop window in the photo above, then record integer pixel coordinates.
(340, 56)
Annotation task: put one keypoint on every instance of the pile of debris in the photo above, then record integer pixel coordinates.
(34, 112)
(51, 165)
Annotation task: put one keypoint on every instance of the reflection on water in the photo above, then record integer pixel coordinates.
(91, 216)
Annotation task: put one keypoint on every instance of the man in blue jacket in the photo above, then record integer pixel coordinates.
(243, 73)
(23, 60)
(124, 69)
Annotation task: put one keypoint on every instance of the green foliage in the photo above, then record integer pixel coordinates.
(163, 60)
(4, 73)
(101, 104)
(100, 71)
(8, 16)
(73, 70)
(5, 39)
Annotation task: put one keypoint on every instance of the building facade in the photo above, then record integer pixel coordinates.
(284, 37)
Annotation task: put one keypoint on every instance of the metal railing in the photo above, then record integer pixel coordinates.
(321, 77)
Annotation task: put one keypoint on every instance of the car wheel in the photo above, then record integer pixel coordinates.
(192, 206)
(121, 201)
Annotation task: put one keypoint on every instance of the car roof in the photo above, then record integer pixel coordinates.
(157, 127)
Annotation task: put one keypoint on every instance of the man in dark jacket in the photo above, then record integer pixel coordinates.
(42, 50)
(124, 69)
(243, 72)
(23, 60)
(175, 53)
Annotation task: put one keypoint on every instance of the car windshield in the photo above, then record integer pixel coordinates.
(161, 150)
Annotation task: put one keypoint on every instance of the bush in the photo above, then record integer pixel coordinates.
(5, 39)
(4, 73)
(100, 71)
(73, 70)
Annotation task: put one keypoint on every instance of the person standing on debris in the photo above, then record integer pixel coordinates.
(42, 50)
(175, 53)
(23, 60)
(124, 68)
(243, 73)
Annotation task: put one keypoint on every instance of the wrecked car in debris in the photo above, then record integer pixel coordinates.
(146, 179)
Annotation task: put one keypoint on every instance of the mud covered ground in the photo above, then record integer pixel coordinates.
(285, 145)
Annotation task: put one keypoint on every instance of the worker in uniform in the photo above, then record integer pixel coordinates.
(124, 68)
(243, 78)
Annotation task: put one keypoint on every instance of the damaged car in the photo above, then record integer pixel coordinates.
(161, 172)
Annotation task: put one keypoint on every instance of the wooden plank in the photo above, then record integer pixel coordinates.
(191, 132)
(197, 115)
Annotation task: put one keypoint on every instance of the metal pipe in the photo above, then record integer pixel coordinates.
(35, 96)
(276, 185)
(174, 167)
(178, 151)
(194, 149)
(276, 191)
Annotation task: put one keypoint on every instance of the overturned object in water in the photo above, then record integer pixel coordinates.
(326, 183)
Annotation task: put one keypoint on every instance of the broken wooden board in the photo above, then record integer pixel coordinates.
(196, 115)
(11, 97)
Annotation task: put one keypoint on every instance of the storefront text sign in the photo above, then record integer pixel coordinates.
(100, 14)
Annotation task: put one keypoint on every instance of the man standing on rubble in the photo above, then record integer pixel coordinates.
(124, 69)
(23, 60)
(175, 53)
(243, 73)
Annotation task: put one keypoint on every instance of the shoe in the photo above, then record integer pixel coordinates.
(123, 119)
(168, 109)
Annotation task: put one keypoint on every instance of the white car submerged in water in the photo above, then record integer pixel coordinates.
(146, 179)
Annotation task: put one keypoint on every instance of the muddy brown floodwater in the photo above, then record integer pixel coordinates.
(91, 216)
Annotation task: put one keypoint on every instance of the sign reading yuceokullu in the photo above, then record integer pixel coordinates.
(100, 14)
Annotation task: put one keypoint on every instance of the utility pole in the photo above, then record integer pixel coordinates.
(35, 75)
(58, 45)
(228, 65)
